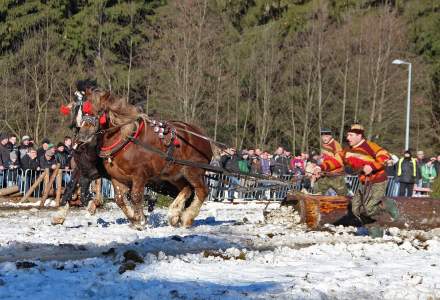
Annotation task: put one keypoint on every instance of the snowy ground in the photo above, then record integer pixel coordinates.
(230, 253)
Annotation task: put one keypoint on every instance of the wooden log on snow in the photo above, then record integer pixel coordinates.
(9, 190)
(316, 210)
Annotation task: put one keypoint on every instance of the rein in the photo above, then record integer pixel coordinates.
(103, 131)
(204, 166)
(202, 137)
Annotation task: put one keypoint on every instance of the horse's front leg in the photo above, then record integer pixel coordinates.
(137, 199)
(192, 211)
(178, 206)
(121, 193)
(71, 187)
(61, 215)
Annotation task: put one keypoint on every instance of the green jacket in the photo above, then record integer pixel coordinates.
(243, 165)
(428, 172)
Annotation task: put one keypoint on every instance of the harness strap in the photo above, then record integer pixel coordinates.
(121, 144)
(201, 165)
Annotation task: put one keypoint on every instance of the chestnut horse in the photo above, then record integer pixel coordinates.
(131, 166)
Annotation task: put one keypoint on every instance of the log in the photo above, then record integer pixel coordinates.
(9, 190)
(315, 211)
(59, 188)
(414, 213)
(48, 184)
(16, 195)
(34, 186)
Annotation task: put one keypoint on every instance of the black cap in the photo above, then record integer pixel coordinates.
(326, 131)
(60, 144)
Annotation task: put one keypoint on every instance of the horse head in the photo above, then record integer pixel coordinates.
(92, 116)
(104, 111)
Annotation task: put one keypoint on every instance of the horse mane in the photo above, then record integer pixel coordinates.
(121, 113)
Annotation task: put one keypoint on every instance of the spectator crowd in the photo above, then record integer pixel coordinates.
(411, 175)
(15, 156)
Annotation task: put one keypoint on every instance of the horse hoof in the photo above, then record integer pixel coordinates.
(187, 220)
(61, 217)
(187, 224)
(174, 220)
(137, 226)
(57, 220)
(91, 208)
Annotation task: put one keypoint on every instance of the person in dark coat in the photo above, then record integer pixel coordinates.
(24, 145)
(12, 167)
(280, 163)
(390, 168)
(62, 157)
(407, 173)
(48, 161)
(12, 143)
(42, 150)
(4, 151)
(229, 160)
(29, 161)
(29, 164)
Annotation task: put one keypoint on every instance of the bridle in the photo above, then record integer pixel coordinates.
(89, 119)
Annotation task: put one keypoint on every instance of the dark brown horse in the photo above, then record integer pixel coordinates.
(131, 166)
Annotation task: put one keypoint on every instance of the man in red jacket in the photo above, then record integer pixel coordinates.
(369, 160)
(332, 181)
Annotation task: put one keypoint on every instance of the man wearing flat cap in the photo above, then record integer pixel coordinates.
(332, 166)
(369, 160)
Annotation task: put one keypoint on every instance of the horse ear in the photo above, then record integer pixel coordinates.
(88, 91)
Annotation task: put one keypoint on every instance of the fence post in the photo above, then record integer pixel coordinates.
(59, 187)
(48, 182)
(35, 185)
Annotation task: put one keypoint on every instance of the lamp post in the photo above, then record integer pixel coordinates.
(408, 101)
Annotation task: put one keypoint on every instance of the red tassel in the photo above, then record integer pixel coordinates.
(87, 108)
(64, 110)
(103, 119)
(176, 142)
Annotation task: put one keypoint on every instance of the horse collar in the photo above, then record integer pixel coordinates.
(114, 149)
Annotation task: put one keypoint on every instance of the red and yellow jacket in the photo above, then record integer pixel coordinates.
(368, 153)
(332, 154)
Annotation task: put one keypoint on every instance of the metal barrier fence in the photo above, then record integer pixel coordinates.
(221, 187)
(10, 178)
(30, 176)
(247, 188)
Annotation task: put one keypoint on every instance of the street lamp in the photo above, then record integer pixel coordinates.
(408, 102)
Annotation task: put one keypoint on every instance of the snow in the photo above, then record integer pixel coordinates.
(229, 253)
